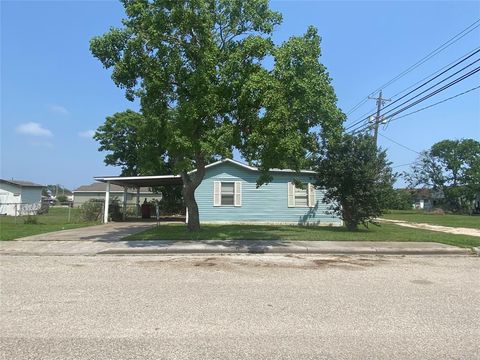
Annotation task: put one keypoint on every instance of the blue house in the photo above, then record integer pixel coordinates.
(228, 194)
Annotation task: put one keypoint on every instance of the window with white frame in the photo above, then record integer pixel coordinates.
(301, 197)
(227, 193)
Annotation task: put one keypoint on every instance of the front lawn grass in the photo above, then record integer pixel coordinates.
(420, 216)
(56, 219)
(385, 232)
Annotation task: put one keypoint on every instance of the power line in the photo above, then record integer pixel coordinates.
(457, 80)
(425, 83)
(443, 72)
(397, 166)
(427, 57)
(437, 103)
(396, 142)
(432, 105)
(430, 88)
(437, 71)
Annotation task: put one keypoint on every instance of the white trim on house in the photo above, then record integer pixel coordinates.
(237, 193)
(150, 177)
(253, 167)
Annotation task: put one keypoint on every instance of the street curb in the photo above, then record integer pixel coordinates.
(476, 250)
(284, 251)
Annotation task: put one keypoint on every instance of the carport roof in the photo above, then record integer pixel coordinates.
(142, 181)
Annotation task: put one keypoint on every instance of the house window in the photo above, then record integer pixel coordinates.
(301, 197)
(227, 193)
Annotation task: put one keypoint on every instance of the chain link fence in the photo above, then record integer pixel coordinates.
(44, 212)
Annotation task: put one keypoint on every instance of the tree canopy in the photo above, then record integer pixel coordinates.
(357, 179)
(451, 167)
(132, 145)
(198, 68)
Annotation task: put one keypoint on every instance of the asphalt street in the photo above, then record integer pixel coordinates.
(240, 306)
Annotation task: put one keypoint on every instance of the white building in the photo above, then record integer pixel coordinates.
(20, 197)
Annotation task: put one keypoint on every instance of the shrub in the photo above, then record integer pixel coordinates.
(62, 198)
(357, 178)
(30, 220)
(92, 210)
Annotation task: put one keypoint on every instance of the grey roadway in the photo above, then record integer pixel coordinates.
(240, 307)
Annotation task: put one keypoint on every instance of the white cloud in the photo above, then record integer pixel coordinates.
(34, 129)
(58, 109)
(87, 134)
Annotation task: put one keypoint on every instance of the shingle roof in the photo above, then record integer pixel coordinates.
(101, 187)
(21, 183)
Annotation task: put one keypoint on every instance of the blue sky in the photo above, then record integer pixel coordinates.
(54, 93)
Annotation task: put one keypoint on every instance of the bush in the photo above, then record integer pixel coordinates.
(30, 220)
(62, 198)
(400, 199)
(357, 178)
(92, 210)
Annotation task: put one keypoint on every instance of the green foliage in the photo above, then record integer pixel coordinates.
(30, 219)
(91, 210)
(198, 69)
(453, 168)
(400, 199)
(62, 198)
(357, 178)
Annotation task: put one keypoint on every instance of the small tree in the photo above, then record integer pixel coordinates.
(357, 178)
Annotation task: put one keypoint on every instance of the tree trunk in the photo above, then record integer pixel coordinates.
(193, 223)
(190, 184)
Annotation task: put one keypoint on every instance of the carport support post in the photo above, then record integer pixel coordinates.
(107, 202)
(124, 208)
(138, 201)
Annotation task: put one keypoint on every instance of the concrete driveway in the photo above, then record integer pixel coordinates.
(112, 231)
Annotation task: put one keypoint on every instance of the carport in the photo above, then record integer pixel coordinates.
(134, 182)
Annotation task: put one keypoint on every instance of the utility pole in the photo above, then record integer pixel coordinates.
(377, 119)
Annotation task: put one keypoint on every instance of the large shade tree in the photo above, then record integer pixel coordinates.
(210, 79)
(134, 145)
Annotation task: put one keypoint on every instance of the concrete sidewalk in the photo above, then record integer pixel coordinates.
(142, 247)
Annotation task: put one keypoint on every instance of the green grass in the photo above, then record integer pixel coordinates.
(386, 232)
(55, 219)
(419, 216)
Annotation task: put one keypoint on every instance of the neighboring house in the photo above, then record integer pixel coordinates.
(19, 197)
(97, 191)
(228, 194)
(425, 199)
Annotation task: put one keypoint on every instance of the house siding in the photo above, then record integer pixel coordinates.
(267, 204)
(28, 199)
